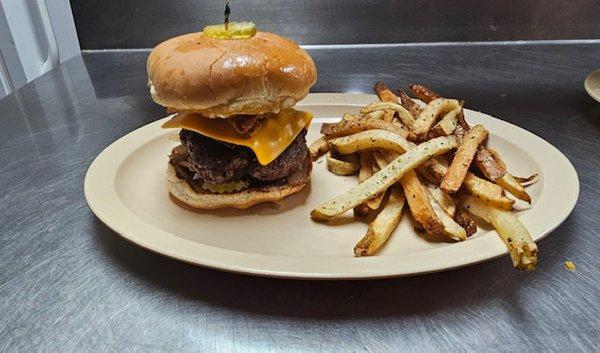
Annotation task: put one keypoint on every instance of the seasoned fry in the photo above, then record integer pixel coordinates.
(378, 163)
(430, 114)
(376, 201)
(526, 181)
(344, 165)
(370, 139)
(461, 117)
(487, 192)
(451, 229)
(384, 224)
(497, 157)
(384, 178)
(522, 249)
(403, 114)
(409, 104)
(462, 159)
(420, 205)
(509, 182)
(446, 125)
(380, 159)
(367, 169)
(485, 162)
(366, 166)
(384, 93)
(434, 169)
(350, 117)
(444, 200)
(462, 217)
(377, 114)
(318, 148)
(350, 127)
(423, 93)
(512, 185)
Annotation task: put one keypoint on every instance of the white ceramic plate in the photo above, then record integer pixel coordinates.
(592, 85)
(125, 188)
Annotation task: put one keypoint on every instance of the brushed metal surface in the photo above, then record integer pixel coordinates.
(143, 24)
(68, 283)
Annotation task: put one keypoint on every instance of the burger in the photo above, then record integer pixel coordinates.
(233, 93)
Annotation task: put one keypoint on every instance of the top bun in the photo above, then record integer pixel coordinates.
(222, 77)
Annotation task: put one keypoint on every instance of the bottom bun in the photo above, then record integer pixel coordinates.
(182, 191)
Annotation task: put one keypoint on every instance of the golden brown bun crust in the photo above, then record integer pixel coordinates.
(182, 191)
(223, 77)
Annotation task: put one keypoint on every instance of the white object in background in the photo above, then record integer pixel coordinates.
(35, 36)
(592, 85)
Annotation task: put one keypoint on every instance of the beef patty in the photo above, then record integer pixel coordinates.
(220, 162)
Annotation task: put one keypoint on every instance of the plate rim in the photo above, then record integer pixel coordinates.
(586, 85)
(100, 202)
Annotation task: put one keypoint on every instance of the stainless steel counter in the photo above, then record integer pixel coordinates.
(68, 283)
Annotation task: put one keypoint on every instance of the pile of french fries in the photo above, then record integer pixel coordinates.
(422, 153)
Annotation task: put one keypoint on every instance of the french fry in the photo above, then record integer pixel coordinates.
(318, 148)
(403, 114)
(344, 128)
(383, 225)
(522, 249)
(384, 178)
(370, 139)
(512, 185)
(423, 93)
(413, 108)
(350, 117)
(377, 114)
(380, 163)
(425, 211)
(385, 95)
(485, 162)
(434, 169)
(444, 200)
(366, 166)
(462, 159)
(446, 125)
(461, 117)
(380, 159)
(451, 229)
(497, 157)
(487, 192)
(343, 165)
(430, 114)
(462, 217)
(484, 159)
(421, 206)
(528, 180)
(509, 182)
(367, 169)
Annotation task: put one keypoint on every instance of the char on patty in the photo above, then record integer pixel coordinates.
(220, 162)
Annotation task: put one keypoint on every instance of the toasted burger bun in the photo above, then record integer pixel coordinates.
(222, 77)
(182, 191)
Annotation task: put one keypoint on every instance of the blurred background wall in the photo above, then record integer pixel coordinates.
(144, 23)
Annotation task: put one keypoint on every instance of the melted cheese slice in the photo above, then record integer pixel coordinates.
(275, 135)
